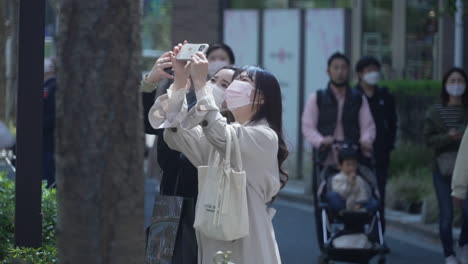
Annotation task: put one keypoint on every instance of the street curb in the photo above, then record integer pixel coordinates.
(416, 228)
(392, 221)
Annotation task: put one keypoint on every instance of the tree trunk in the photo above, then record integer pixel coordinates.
(99, 130)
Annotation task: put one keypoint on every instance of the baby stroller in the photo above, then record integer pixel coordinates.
(332, 226)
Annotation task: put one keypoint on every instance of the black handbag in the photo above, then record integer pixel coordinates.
(446, 163)
(162, 232)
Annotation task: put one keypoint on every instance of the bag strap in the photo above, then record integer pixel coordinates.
(227, 157)
(236, 147)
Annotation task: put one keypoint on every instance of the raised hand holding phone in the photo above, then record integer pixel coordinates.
(181, 68)
(199, 70)
(159, 69)
(188, 50)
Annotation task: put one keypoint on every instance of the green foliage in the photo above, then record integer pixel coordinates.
(49, 214)
(451, 7)
(410, 180)
(410, 157)
(47, 253)
(157, 26)
(413, 87)
(44, 255)
(409, 188)
(7, 212)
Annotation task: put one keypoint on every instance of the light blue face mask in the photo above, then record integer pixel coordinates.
(455, 89)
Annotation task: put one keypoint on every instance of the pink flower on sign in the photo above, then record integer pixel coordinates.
(281, 55)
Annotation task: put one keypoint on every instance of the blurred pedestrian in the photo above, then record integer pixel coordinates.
(444, 126)
(49, 88)
(383, 109)
(338, 113)
(219, 55)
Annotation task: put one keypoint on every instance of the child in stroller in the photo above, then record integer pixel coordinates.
(349, 190)
(347, 209)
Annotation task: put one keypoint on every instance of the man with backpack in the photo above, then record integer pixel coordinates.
(338, 113)
(382, 106)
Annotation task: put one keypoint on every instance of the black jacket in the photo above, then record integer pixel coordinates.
(328, 112)
(383, 108)
(179, 176)
(49, 88)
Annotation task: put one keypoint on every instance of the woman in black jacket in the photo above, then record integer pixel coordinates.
(179, 176)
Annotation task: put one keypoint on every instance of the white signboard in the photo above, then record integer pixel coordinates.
(241, 34)
(281, 36)
(325, 35)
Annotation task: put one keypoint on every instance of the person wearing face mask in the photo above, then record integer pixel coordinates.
(444, 126)
(179, 176)
(219, 55)
(338, 113)
(254, 99)
(383, 109)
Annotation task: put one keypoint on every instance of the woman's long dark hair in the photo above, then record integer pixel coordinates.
(271, 109)
(444, 96)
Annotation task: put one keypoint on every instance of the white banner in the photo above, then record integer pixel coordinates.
(241, 34)
(281, 57)
(325, 35)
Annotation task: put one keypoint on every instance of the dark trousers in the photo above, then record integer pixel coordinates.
(337, 203)
(48, 168)
(443, 189)
(185, 248)
(381, 172)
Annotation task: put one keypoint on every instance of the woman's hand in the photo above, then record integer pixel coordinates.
(181, 69)
(199, 70)
(455, 134)
(157, 73)
(458, 202)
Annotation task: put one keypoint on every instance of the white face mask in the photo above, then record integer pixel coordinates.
(218, 94)
(457, 89)
(372, 78)
(215, 66)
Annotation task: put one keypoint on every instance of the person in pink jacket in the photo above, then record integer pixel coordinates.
(338, 113)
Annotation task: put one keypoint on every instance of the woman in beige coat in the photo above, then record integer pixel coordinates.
(254, 99)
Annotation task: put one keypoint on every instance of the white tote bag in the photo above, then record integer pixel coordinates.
(221, 212)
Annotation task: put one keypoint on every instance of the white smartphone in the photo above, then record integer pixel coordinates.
(189, 49)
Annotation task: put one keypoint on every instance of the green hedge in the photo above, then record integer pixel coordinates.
(44, 255)
(415, 87)
(413, 98)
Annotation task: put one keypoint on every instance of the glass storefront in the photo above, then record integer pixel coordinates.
(321, 3)
(377, 32)
(421, 39)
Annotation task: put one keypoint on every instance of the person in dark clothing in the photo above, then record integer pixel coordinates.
(179, 176)
(383, 109)
(49, 89)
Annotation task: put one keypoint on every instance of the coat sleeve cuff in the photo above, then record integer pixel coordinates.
(147, 87)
